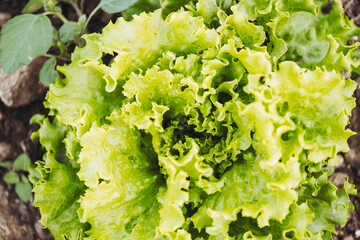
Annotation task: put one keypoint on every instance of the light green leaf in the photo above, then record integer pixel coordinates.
(82, 19)
(6, 164)
(127, 194)
(48, 73)
(70, 30)
(309, 34)
(33, 6)
(24, 38)
(34, 174)
(22, 162)
(11, 177)
(23, 189)
(36, 118)
(115, 6)
(88, 107)
(317, 87)
(91, 50)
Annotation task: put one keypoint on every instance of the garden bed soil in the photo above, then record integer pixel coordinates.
(19, 220)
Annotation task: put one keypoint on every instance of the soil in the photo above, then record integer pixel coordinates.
(15, 130)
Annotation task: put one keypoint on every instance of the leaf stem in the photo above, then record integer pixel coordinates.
(48, 55)
(74, 5)
(59, 15)
(77, 9)
(88, 20)
(82, 5)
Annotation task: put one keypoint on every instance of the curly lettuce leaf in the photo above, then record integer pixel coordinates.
(321, 112)
(57, 188)
(92, 104)
(329, 204)
(57, 197)
(309, 34)
(122, 186)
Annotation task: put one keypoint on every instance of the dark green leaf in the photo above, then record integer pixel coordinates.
(32, 6)
(169, 6)
(11, 177)
(58, 200)
(22, 162)
(141, 6)
(48, 73)
(23, 189)
(24, 38)
(115, 6)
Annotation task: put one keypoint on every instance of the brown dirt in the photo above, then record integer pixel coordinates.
(15, 130)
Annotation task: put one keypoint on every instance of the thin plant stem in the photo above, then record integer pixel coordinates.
(77, 9)
(82, 5)
(88, 20)
(59, 15)
(48, 55)
(75, 6)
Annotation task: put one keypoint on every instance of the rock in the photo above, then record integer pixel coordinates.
(4, 17)
(357, 234)
(39, 230)
(6, 151)
(23, 86)
(352, 157)
(338, 178)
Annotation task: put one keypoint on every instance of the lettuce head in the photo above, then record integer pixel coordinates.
(216, 121)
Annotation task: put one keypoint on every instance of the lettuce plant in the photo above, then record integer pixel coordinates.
(215, 122)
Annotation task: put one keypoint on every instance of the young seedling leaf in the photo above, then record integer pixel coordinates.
(6, 164)
(24, 38)
(115, 6)
(69, 30)
(11, 177)
(48, 73)
(23, 189)
(82, 19)
(32, 6)
(22, 162)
